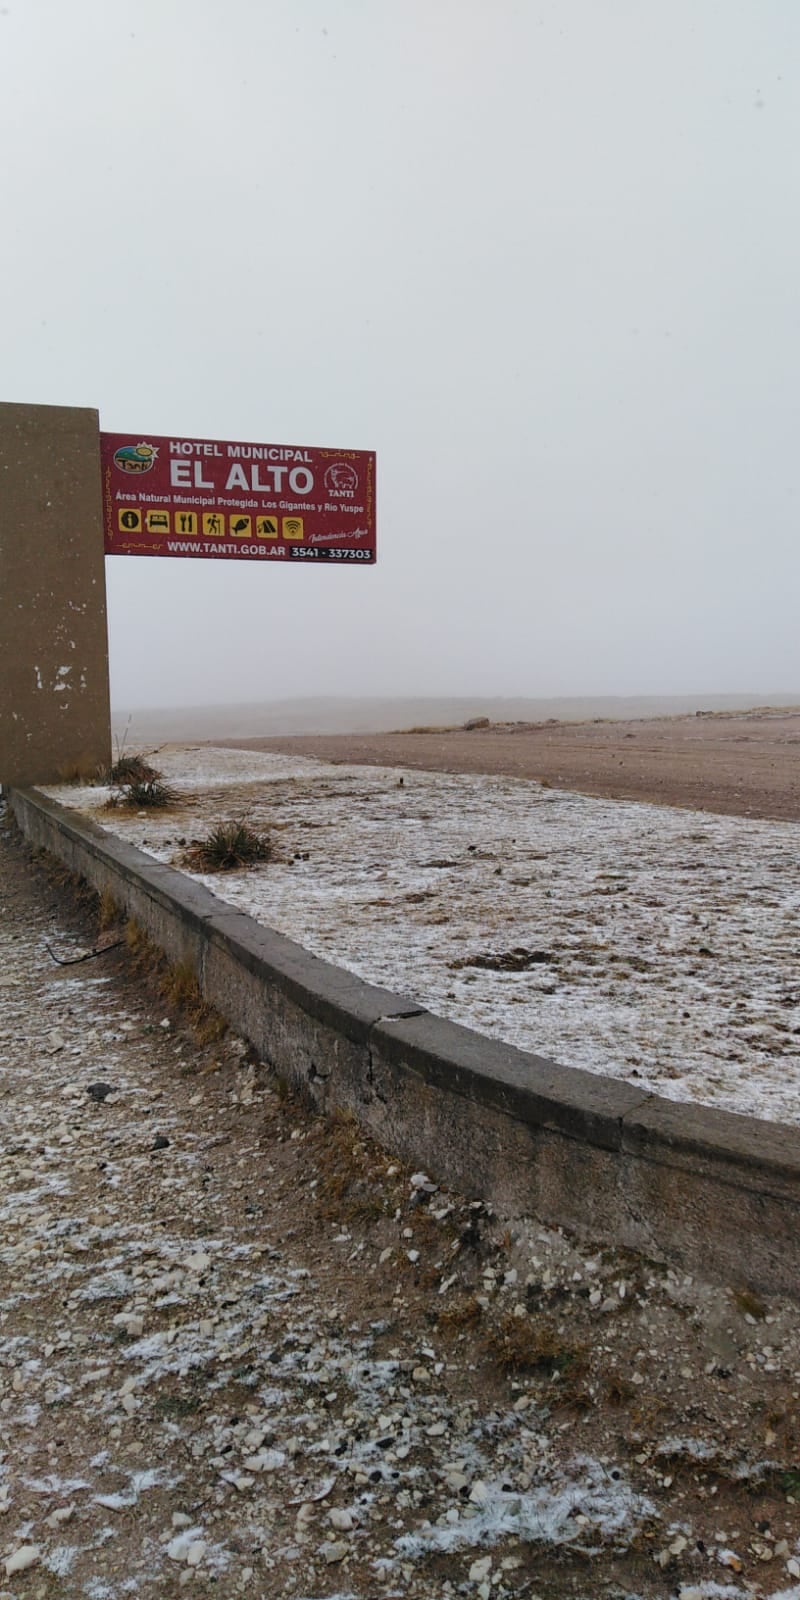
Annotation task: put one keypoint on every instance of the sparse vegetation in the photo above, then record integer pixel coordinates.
(228, 846)
(109, 912)
(132, 769)
(176, 984)
(463, 1313)
(749, 1303)
(521, 1345)
(143, 794)
(74, 773)
(348, 1165)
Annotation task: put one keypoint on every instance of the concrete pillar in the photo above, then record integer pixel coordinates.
(54, 697)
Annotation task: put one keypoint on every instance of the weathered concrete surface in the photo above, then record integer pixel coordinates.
(54, 695)
(709, 1190)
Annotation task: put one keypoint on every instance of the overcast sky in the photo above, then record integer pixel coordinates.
(543, 257)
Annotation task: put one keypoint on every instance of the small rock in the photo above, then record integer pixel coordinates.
(160, 1142)
(199, 1262)
(480, 1569)
(265, 1461)
(179, 1547)
(100, 1091)
(60, 1515)
(422, 1183)
(26, 1556)
(340, 1518)
(131, 1322)
(333, 1551)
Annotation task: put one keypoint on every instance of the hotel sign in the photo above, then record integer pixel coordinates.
(245, 502)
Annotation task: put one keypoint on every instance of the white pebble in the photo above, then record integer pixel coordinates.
(26, 1556)
(199, 1262)
(334, 1551)
(341, 1519)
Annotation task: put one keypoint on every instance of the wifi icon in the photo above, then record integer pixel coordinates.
(293, 527)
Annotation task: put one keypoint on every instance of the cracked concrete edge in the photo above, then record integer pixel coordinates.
(708, 1189)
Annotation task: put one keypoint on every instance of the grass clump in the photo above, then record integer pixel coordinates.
(132, 769)
(228, 846)
(143, 794)
(464, 1313)
(749, 1303)
(176, 984)
(523, 1346)
(348, 1168)
(109, 912)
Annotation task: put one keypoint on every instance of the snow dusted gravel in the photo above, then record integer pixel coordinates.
(243, 1352)
(652, 944)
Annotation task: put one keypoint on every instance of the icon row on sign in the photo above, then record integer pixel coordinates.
(214, 524)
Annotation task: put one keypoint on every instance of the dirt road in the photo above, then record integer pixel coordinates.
(743, 765)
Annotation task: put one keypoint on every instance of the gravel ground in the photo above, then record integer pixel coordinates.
(243, 1351)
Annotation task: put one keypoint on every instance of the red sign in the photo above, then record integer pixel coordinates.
(247, 502)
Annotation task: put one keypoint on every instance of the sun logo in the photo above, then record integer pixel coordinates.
(135, 457)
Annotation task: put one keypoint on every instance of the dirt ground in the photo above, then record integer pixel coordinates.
(245, 1351)
(746, 764)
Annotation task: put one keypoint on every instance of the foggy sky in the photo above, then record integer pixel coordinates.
(544, 258)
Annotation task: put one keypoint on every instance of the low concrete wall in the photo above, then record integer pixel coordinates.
(705, 1189)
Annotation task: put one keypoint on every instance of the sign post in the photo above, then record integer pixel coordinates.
(69, 493)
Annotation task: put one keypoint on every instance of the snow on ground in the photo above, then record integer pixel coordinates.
(658, 945)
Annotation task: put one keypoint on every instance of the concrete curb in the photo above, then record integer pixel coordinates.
(706, 1189)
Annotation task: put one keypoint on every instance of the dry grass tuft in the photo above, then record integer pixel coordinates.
(144, 794)
(230, 845)
(521, 1345)
(74, 773)
(349, 1171)
(132, 769)
(109, 912)
(619, 1392)
(463, 1313)
(177, 985)
(750, 1303)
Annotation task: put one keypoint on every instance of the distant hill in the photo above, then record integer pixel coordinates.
(341, 715)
